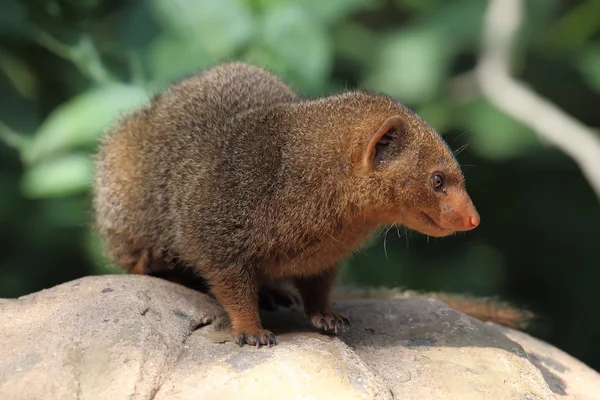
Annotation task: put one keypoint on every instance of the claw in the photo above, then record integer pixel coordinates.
(323, 323)
(330, 322)
(256, 338)
(239, 339)
(251, 340)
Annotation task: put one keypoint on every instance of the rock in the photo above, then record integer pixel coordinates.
(127, 336)
(98, 337)
(567, 377)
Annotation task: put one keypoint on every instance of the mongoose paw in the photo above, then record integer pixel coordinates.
(330, 321)
(152, 261)
(255, 338)
(271, 297)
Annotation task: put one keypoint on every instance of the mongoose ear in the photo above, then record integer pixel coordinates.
(388, 132)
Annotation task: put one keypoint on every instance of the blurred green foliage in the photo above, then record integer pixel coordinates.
(69, 68)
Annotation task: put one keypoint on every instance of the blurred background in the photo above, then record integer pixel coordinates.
(68, 68)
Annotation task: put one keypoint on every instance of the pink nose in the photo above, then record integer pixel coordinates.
(473, 221)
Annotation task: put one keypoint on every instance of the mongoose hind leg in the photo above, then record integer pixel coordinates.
(315, 292)
(152, 261)
(237, 291)
(162, 263)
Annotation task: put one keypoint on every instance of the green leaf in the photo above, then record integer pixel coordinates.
(574, 28)
(411, 66)
(331, 11)
(191, 56)
(418, 5)
(438, 114)
(219, 26)
(17, 113)
(59, 177)
(130, 27)
(356, 42)
(495, 135)
(295, 46)
(81, 120)
(20, 74)
(589, 66)
(458, 22)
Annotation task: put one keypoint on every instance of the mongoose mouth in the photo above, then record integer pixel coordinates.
(436, 229)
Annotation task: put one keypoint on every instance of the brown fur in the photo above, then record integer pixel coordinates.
(239, 178)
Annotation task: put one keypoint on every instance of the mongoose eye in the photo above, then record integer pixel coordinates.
(437, 180)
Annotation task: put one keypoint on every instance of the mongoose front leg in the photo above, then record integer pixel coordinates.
(237, 291)
(315, 292)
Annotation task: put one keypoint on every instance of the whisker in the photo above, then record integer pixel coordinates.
(461, 149)
(385, 241)
(460, 135)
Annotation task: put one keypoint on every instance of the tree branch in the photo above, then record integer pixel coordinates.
(83, 55)
(502, 21)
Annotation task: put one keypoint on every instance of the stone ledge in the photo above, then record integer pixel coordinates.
(125, 336)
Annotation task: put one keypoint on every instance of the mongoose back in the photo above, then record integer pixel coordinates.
(246, 182)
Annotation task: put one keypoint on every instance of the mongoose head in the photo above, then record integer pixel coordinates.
(412, 177)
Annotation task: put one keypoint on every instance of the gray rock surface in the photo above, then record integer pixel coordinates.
(136, 337)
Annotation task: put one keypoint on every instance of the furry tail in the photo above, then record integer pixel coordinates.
(486, 309)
